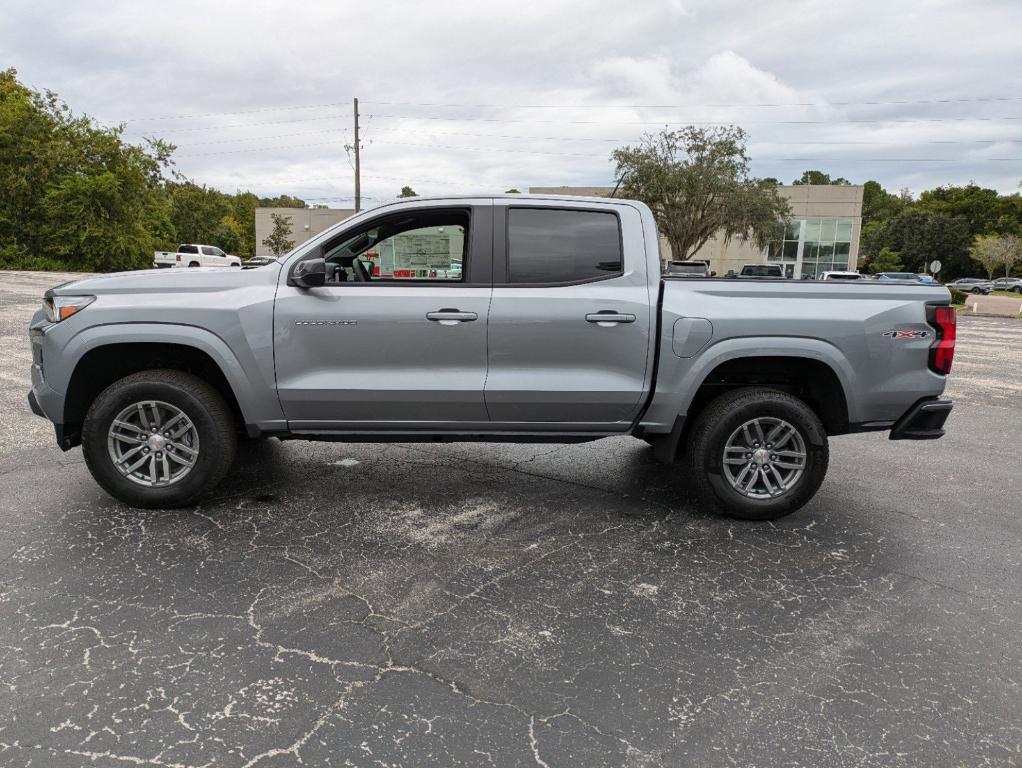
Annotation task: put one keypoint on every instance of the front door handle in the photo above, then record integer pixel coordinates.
(608, 318)
(451, 316)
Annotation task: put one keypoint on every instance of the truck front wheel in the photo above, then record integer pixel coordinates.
(159, 438)
(758, 454)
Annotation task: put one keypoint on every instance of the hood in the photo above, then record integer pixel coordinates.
(195, 279)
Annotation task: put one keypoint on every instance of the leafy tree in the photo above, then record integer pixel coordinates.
(279, 240)
(819, 177)
(282, 201)
(886, 261)
(407, 191)
(697, 183)
(74, 195)
(878, 204)
(1012, 252)
(922, 236)
(988, 250)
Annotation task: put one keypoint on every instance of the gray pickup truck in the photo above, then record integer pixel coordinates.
(518, 319)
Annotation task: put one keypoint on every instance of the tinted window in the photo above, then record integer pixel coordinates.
(188, 249)
(552, 246)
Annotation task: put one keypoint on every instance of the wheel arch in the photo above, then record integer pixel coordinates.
(113, 352)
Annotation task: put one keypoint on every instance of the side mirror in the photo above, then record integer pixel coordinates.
(310, 273)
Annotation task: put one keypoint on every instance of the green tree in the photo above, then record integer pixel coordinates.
(991, 251)
(74, 195)
(878, 204)
(279, 240)
(819, 177)
(921, 236)
(886, 261)
(697, 183)
(407, 191)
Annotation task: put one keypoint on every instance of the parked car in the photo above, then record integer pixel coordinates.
(194, 255)
(837, 275)
(558, 328)
(762, 270)
(1008, 284)
(886, 277)
(972, 285)
(927, 279)
(689, 269)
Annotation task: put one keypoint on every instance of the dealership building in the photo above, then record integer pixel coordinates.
(822, 234)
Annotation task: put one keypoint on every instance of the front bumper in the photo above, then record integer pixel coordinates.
(923, 421)
(48, 403)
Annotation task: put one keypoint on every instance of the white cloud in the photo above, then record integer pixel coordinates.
(122, 60)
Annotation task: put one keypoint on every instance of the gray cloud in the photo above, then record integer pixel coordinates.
(188, 63)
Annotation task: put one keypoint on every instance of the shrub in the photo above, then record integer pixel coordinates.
(957, 296)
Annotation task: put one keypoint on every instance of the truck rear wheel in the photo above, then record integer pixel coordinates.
(159, 438)
(758, 454)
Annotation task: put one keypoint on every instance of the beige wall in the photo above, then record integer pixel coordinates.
(305, 223)
(806, 201)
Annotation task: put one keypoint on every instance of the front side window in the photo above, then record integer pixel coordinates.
(547, 245)
(430, 246)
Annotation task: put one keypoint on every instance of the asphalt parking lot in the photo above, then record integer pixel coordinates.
(472, 604)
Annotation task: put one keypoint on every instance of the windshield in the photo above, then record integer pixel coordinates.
(686, 269)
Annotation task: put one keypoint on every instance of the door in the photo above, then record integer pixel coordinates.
(396, 339)
(569, 328)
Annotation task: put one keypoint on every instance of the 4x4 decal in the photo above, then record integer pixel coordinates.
(906, 334)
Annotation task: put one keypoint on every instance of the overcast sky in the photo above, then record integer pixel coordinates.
(477, 96)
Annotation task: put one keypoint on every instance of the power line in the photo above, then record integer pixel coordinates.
(334, 104)
(689, 106)
(702, 122)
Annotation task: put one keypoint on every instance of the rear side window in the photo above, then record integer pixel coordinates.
(559, 246)
(188, 249)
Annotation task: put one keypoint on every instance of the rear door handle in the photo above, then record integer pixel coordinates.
(451, 316)
(608, 317)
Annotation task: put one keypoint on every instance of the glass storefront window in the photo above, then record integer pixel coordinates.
(808, 247)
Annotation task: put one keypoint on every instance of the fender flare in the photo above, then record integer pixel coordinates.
(765, 346)
(192, 336)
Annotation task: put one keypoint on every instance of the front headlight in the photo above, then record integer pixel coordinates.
(62, 307)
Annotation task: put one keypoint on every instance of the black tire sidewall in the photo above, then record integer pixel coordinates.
(770, 404)
(119, 396)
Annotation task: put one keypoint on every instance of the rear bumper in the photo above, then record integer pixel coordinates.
(923, 421)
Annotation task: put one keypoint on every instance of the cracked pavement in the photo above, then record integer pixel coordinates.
(354, 604)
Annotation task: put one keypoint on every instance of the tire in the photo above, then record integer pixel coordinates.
(210, 435)
(977, 291)
(193, 264)
(720, 426)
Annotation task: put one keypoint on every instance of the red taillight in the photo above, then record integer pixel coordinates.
(942, 351)
(177, 257)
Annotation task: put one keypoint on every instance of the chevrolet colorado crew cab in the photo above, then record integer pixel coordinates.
(517, 318)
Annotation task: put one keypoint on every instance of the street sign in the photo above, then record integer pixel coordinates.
(935, 266)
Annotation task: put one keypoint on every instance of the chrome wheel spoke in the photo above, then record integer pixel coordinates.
(125, 425)
(184, 461)
(129, 469)
(186, 449)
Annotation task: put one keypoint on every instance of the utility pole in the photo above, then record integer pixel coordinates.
(358, 166)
